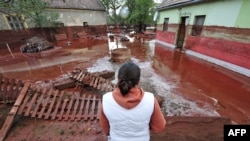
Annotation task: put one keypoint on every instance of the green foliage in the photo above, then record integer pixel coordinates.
(48, 19)
(4, 3)
(111, 7)
(141, 11)
(32, 10)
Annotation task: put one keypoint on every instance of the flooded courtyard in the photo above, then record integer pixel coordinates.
(189, 86)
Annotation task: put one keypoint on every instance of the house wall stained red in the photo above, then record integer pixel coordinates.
(230, 51)
(228, 44)
(11, 36)
(168, 37)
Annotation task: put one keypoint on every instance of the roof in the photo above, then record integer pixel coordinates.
(76, 4)
(166, 4)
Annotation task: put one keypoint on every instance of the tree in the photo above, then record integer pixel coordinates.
(31, 10)
(111, 7)
(141, 13)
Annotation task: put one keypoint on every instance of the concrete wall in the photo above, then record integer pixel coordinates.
(10, 36)
(77, 17)
(242, 20)
(167, 36)
(218, 13)
(73, 23)
(69, 17)
(225, 35)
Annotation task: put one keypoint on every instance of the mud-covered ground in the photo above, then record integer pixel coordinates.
(183, 97)
(42, 69)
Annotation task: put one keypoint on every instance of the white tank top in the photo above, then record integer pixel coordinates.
(129, 124)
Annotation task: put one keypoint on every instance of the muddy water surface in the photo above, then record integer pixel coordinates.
(191, 87)
(227, 92)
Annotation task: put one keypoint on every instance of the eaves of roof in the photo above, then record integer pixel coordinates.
(168, 4)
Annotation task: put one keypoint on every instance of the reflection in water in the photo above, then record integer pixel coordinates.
(35, 63)
(175, 105)
(201, 82)
(117, 43)
(190, 87)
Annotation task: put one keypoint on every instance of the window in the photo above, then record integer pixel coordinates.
(165, 24)
(197, 27)
(15, 22)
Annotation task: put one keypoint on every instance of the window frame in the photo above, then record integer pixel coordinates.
(198, 25)
(15, 22)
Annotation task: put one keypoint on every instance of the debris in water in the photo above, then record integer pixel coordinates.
(35, 44)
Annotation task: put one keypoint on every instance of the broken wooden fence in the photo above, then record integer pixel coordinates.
(85, 78)
(61, 105)
(9, 89)
(9, 120)
(52, 104)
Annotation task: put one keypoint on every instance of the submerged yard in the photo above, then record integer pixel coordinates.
(194, 91)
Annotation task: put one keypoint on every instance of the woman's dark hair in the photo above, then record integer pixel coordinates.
(128, 77)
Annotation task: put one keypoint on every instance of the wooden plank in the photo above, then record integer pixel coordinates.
(38, 103)
(103, 86)
(9, 120)
(84, 74)
(65, 101)
(96, 82)
(73, 76)
(4, 88)
(12, 83)
(1, 79)
(92, 81)
(86, 78)
(79, 76)
(100, 83)
(69, 107)
(86, 112)
(75, 107)
(92, 109)
(10, 90)
(16, 89)
(79, 115)
(107, 88)
(99, 108)
(24, 104)
(45, 104)
(51, 105)
(7, 94)
(1, 92)
(5, 81)
(22, 94)
(58, 103)
(67, 83)
(76, 75)
(27, 112)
